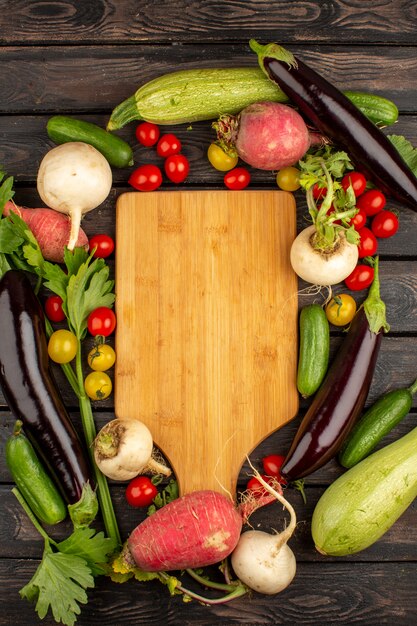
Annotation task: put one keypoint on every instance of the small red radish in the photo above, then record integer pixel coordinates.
(266, 135)
(50, 228)
(198, 529)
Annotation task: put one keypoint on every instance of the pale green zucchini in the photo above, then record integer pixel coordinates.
(204, 94)
(363, 503)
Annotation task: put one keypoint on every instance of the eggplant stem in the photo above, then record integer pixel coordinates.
(374, 306)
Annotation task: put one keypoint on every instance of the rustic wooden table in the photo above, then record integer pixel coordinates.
(83, 58)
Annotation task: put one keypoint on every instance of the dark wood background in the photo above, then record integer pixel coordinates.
(83, 58)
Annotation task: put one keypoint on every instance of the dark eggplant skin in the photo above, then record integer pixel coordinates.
(30, 390)
(338, 118)
(337, 404)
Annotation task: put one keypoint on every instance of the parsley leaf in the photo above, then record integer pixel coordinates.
(6, 190)
(59, 583)
(87, 290)
(93, 548)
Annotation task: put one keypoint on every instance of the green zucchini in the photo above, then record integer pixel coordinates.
(32, 479)
(62, 129)
(376, 422)
(364, 502)
(204, 94)
(314, 340)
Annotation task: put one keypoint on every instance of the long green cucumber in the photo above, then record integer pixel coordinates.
(376, 422)
(62, 129)
(314, 341)
(364, 502)
(204, 94)
(32, 479)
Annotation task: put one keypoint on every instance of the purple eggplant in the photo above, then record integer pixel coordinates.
(341, 397)
(30, 390)
(336, 116)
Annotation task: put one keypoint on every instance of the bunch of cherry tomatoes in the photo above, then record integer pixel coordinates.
(101, 323)
(148, 177)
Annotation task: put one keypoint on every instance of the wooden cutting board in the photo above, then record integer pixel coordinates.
(206, 339)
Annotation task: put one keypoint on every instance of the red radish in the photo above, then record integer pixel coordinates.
(266, 135)
(198, 529)
(50, 228)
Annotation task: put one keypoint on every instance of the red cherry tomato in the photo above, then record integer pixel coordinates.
(361, 278)
(53, 309)
(101, 321)
(385, 224)
(272, 466)
(238, 178)
(147, 134)
(357, 180)
(319, 192)
(146, 178)
(167, 145)
(103, 244)
(368, 244)
(141, 491)
(256, 487)
(359, 220)
(372, 201)
(177, 167)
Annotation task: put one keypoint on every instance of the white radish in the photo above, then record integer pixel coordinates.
(74, 178)
(265, 562)
(326, 253)
(322, 266)
(123, 449)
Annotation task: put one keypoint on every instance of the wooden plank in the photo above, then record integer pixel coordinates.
(25, 142)
(97, 78)
(210, 361)
(26, 21)
(369, 594)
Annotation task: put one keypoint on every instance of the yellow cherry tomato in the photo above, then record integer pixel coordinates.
(288, 179)
(62, 346)
(341, 310)
(101, 358)
(98, 385)
(219, 159)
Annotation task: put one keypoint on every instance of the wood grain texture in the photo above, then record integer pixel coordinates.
(83, 58)
(207, 325)
(114, 21)
(97, 78)
(362, 593)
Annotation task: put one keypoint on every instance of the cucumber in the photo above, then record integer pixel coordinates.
(364, 502)
(314, 341)
(32, 479)
(376, 422)
(62, 129)
(379, 110)
(189, 96)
